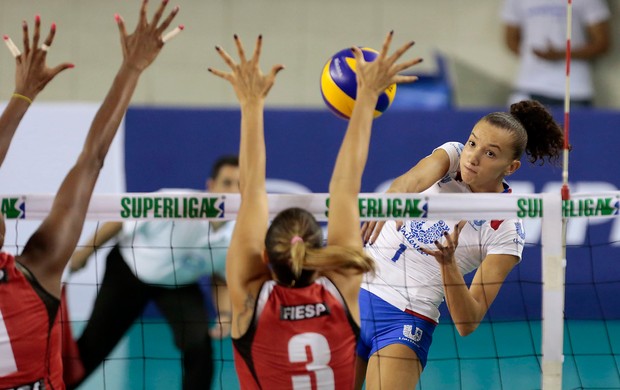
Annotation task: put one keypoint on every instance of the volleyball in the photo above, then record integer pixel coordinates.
(339, 87)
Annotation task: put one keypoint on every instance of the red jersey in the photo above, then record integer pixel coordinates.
(300, 338)
(29, 331)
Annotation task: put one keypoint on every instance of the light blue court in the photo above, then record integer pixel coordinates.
(147, 359)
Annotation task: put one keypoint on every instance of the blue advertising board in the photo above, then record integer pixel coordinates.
(175, 148)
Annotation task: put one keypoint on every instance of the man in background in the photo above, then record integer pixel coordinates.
(535, 30)
(163, 262)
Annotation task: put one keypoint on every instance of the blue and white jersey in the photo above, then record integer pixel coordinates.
(407, 278)
(173, 253)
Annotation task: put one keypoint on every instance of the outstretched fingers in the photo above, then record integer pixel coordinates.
(449, 242)
(258, 50)
(26, 37)
(401, 50)
(59, 68)
(143, 13)
(275, 70)
(226, 57)
(219, 73)
(458, 227)
(407, 64)
(37, 32)
(120, 22)
(431, 252)
(386, 45)
(50, 37)
(401, 79)
(272, 77)
(359, 56)
(168, 21)
(240, 49)
(159, 13)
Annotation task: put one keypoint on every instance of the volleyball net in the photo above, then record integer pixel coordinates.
(555, 323)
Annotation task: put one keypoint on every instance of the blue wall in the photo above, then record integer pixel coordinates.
(176, 147)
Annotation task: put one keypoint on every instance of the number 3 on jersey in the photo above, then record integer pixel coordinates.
(7, 359)
(306, 346)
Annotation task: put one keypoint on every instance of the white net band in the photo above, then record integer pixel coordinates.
(162, 205)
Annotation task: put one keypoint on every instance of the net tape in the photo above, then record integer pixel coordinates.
(373, 206)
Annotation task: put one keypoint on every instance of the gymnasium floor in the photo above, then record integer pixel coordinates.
(592, 359)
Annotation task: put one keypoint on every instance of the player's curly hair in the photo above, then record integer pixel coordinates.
(535, 131)
(295, 261)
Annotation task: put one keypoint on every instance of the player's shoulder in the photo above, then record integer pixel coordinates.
(503, 226)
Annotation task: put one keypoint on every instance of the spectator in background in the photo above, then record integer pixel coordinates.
(535, 30)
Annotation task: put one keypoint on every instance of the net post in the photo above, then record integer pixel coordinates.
(553, 268)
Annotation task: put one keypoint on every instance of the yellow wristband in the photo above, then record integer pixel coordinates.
(26, 98)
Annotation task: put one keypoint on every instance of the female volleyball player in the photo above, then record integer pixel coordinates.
(420, 262)
(30, 281)
(31, 76)
(294, 304)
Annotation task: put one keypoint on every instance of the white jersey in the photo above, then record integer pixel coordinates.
(409, 279)
(173, 253)
(543, 23)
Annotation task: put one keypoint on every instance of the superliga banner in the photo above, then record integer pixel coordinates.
(193, 206)
(175, 148)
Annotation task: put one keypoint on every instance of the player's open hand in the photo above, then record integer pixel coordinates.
(379, 74)
(142, 46)
(31, 72)
(246, 77)
(445, 249)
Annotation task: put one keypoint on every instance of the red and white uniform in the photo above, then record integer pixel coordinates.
(29, 331)
(300, 338)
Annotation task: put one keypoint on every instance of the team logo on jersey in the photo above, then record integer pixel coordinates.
(417, 235)
(13, 208)
(520, 240)
(303, 312)
(520, 230)
(4, 275)
(415, 336)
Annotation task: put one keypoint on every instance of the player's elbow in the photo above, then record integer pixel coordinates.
(92, 159)
(465, 329)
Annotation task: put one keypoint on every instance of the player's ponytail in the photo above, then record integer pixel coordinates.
(544, 136)
(294, 244)
(334, 258)
(534, 130)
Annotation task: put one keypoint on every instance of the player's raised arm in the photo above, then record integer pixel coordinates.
(344, 220)
(31, 76)
(245, 270)
(372, 79)
(51, 246)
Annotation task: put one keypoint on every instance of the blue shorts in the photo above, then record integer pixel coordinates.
(384, 324)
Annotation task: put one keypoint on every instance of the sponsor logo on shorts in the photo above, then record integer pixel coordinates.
(414, 336)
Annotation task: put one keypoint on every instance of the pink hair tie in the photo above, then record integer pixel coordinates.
(296, 239)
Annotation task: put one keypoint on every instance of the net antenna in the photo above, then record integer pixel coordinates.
(554, 256)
